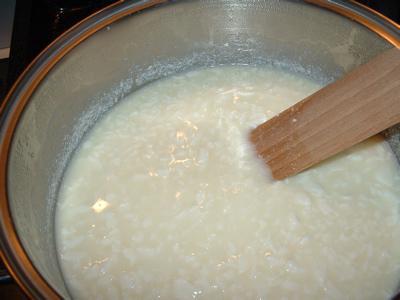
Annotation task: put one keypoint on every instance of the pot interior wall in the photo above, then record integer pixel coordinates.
(144, 47)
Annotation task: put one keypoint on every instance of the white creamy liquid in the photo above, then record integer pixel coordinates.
(165, 199)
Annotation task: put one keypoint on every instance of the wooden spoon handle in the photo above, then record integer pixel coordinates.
(348, 111)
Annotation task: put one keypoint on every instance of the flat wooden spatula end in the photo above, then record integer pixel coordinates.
(363, 103)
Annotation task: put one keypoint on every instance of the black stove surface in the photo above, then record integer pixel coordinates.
(38, 22)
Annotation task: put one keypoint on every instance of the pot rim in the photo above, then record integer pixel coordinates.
(12, 251)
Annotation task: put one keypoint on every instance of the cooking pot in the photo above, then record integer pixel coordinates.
(131, 43)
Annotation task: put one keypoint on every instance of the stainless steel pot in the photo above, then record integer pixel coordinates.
(117, 50)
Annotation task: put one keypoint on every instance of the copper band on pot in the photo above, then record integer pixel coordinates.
(13, 253)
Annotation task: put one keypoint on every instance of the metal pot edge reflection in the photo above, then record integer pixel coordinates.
(12, 251)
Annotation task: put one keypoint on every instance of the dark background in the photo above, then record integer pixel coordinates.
(38, 22)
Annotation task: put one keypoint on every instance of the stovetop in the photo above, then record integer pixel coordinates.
(36, 23)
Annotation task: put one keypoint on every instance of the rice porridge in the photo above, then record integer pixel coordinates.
(166, 199)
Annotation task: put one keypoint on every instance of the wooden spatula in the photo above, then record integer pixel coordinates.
(361, 104)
